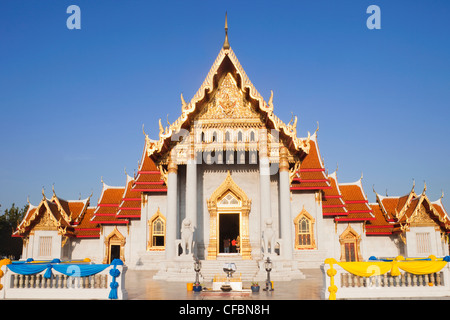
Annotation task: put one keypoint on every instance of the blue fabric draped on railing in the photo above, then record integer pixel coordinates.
(73, 270)
(80, 270)
(27, 268)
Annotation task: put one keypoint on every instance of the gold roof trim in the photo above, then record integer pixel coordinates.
(290, 130)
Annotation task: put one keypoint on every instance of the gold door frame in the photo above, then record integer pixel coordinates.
(350, 236)
(229, 186)
(114, 238)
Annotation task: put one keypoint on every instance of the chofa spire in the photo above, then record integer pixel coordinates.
(226, 44)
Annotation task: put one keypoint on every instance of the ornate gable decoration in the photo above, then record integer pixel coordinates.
(228, 102)
(228, 187)
(421, 218)
(46, 221)
(229, 98)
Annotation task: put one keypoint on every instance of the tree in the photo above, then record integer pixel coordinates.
(10, 246)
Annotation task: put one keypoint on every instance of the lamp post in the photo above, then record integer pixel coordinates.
(197, 267)
(268, 267)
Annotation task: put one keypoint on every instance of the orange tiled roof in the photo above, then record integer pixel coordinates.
(26, 220)
(35, 213)
(87, 229)
(379, 226)
(397, 211)
(108, 205)
(130, 206)
(311, 175)
(439, 207)
(73, 209)
(148, 178)
(332, 202)
(356, 202)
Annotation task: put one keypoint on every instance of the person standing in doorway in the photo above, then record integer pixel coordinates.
(233, 245)
(226, 245)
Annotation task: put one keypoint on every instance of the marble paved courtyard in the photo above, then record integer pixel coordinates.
(141, 286)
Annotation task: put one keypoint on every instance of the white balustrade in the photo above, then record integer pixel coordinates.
(406, 285)
(61, 286)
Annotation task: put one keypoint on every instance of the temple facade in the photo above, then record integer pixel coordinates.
(230, 181)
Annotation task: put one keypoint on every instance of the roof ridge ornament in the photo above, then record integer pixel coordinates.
(270, 103)
(226, 44)
(183, 103)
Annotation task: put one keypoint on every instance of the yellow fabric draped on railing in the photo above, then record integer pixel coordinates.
(374, 268)
(366, 269)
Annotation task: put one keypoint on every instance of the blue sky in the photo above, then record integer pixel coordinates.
(73, 102)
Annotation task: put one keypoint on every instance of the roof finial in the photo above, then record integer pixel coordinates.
(226, 44)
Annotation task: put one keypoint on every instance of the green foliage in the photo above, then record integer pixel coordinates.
(9, 221)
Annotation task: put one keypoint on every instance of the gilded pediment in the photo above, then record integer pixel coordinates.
(421, 218)
(46, 222)
(228, 102)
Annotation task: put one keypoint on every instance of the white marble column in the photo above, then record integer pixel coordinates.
(191, 186)
(264, 179)
(285, 205)
(171, 218)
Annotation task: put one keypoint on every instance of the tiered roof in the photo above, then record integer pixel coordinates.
(311, 174)
(356, 202)
(227, 62)
(397, 214)
(87, 229)
(130, 206)
(149, 177)
(379, 226)
(69, 217)
(108, 205)
(332, 201)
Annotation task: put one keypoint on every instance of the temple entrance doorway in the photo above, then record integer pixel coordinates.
(229, 209)
(114, 246)
(229, 232)
(115, 252)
